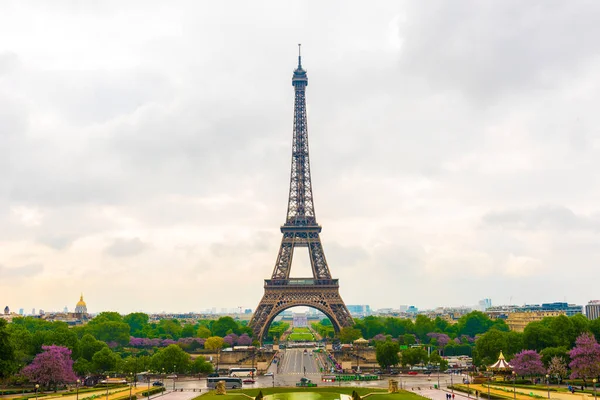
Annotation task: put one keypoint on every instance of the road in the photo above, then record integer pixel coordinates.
(298, 362)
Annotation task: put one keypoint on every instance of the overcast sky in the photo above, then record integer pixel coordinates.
(145, 150)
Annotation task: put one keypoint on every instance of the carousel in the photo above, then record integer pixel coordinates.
(501, 367)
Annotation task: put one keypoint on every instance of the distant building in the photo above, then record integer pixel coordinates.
(592, 309)
(80, 307)
(517, 321)
(485, 304)
(359, 310)
(248, 311)
(403, 308)
(6, 310)
(568, 309)
(300, 320)
(412, 310)
(21, 311)
(33, 311)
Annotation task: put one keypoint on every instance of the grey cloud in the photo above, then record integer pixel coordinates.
(541, 218)
(125, 247)
(486, 48)
(25, 271)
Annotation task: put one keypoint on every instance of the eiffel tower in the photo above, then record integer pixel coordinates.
(300, 230)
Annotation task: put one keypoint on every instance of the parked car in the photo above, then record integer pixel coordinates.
(249, 380)
(158, 383)
(412, 373)
(268, 374)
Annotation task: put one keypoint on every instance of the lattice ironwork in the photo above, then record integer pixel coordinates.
(300, 230)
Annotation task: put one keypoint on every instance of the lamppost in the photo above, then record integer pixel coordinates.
(548, 384)
(594, 382)
(174, 366)
(36, 390)
(148, 392)
(107, 386)
(130, 384)
(452, 382)
(468, 390)
(489, 379)
(77, 390)
(438, 371)
(514, 374)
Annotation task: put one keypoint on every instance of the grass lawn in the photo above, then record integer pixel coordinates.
(299, 337)
(324, 393)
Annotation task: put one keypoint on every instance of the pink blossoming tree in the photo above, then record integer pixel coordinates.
(528, 363)
(585, 357)
(52, 367)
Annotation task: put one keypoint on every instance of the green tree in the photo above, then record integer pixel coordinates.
(223, 325)
(169, 329)
(172, 359)
(214, 343)
(414, 356)
(137, 322)
(188, 330)
(8, 360)
(423, 325)
(88, 346)
(109, 331)
(104, 360)
(203, 332)
(551, 352)
(201, 366)
(348, 334)
(537, 336)
(436, 359)
(489, 345)
(107, 316)
(387, 354)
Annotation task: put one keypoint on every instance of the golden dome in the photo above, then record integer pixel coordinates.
(81, 303)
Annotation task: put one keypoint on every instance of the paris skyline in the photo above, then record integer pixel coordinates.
(145, 151)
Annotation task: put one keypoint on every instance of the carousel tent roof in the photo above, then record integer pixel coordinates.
(501, 363)
(361, 341)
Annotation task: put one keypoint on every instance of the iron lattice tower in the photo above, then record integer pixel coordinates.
(300, 230)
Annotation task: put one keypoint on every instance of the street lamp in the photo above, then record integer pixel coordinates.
(148, 376)
(77, 389)
(107, 386)
(489, 379)
(468, 390)
(452, 382)
(594, 381)
(130, 383)
(548, 384)
(173, 377)
(36, 390)
(514, 374)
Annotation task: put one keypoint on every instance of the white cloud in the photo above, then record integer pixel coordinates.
(452, 145)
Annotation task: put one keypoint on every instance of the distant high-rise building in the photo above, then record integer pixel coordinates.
(66, 309)
(248, 311)
(42, 312)
(359, 310)
(592, 309)
(484, 304)
(403, 308)
(6, 310)
(33, 311)
(21, 311)
(412, 310)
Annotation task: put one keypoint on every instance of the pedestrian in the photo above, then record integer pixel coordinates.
(452, 396)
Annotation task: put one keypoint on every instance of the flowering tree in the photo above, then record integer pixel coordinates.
(557, 367)
(585, 357)
(528, 362)
(441, 338)
(52, 367)
(245, 340)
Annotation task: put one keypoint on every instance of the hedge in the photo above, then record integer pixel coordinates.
(152, 391)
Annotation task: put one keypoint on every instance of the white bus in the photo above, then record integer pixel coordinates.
(242, 372)
(230, 383)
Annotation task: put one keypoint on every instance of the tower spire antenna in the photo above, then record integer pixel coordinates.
(299, 55)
